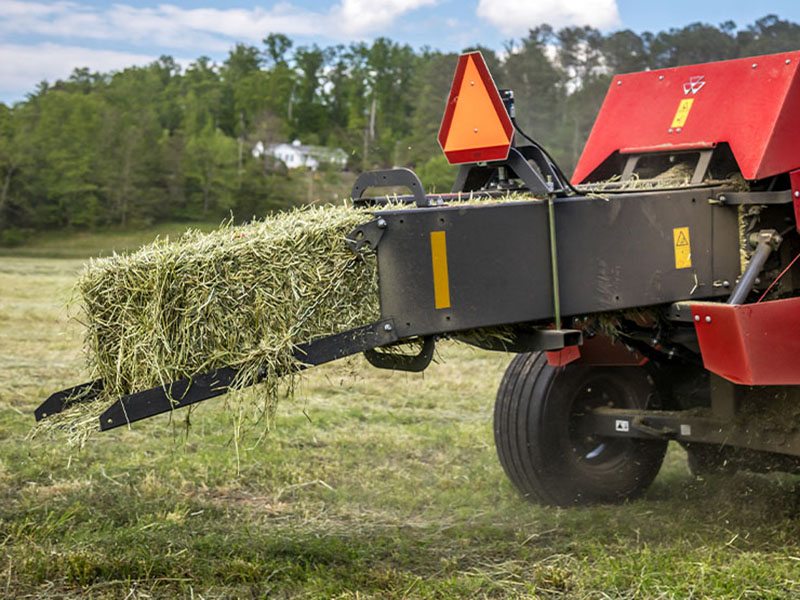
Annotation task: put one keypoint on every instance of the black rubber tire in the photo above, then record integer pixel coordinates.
(534, 420)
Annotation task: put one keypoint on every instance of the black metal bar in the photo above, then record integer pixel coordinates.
(526, 173)
(390, 178)
(415, 363)
(703, 162)
(184, 392)
(695, 426)
(57, 402)
(630, 167)
(748, 198)
(533, 340)
(460, 183)
(767, 242)
(367, 235)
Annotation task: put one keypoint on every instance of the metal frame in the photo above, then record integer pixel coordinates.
(400, 177)
(698, 175)
(497, 255)
(185, 392)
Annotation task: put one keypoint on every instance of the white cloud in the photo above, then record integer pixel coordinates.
(516, 17)
(24, 66)
(64, 26)
(359, 17)
(211, 29)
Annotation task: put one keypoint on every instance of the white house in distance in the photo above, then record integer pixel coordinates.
(299, 156)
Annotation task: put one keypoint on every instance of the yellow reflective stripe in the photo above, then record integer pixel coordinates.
(441, 279)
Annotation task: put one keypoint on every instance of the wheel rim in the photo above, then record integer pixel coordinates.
(590, 450)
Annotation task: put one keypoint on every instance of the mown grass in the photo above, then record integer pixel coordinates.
(369, 485)
(57, 244)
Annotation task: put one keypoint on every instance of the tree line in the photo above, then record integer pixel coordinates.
(162, 142)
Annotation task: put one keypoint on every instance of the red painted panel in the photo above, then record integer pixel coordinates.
(794, 179)
(602, 351)
(753, 104)
(561, 358)
(750, 344)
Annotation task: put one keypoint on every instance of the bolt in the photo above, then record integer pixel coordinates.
(708, 318)
(669, 130)
(387, 327)
(678, 130)
(660, 77)
(797, 194)
(788, 61)
(475, 130)
(382, 223)
(619, 82)
(755, 65)
(697, 317)
(472, 83)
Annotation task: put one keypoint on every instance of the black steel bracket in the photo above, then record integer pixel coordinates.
(400, 177)
(536, 340)
(59, 401)
(686, 426)
(415, 363)
(749, 198)
(473, 176)
(367, 235)
(767, 241)
(184, 392)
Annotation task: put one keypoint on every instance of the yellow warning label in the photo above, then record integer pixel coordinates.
(683, 247)
(682, 113)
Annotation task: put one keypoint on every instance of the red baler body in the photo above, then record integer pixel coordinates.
(752, 104)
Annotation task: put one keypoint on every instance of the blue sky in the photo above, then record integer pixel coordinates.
(46, 39)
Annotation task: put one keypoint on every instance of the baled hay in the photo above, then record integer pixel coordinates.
(244, 296)
(241, 296)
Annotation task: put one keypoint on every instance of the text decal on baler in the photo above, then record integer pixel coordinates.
(683, 248)
(441, 278)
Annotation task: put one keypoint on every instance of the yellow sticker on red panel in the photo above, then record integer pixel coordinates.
(682, 113)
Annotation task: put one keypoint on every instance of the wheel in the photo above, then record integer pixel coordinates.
(536, 430)
(708, 459)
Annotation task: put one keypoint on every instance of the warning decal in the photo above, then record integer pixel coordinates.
(682, 113)
(683, 247)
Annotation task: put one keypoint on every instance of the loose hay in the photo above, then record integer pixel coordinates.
(242, 295)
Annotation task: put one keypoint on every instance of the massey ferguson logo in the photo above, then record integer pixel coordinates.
(694, 85)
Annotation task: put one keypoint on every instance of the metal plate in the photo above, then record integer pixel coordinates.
(750, 103)
(612, 254)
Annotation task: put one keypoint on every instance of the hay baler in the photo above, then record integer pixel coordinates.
(651, 298)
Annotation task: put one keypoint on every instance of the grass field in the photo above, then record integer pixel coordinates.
(369, 485)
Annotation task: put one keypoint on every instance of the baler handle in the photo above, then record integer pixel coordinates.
(401, 177)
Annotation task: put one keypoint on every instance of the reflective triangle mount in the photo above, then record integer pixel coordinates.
(476, 126)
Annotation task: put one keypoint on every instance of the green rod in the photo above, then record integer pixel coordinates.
(551, 217)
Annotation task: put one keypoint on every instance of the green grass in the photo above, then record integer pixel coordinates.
(370, 485)
(56, 244)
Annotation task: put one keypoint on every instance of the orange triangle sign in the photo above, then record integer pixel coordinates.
(476, 126)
